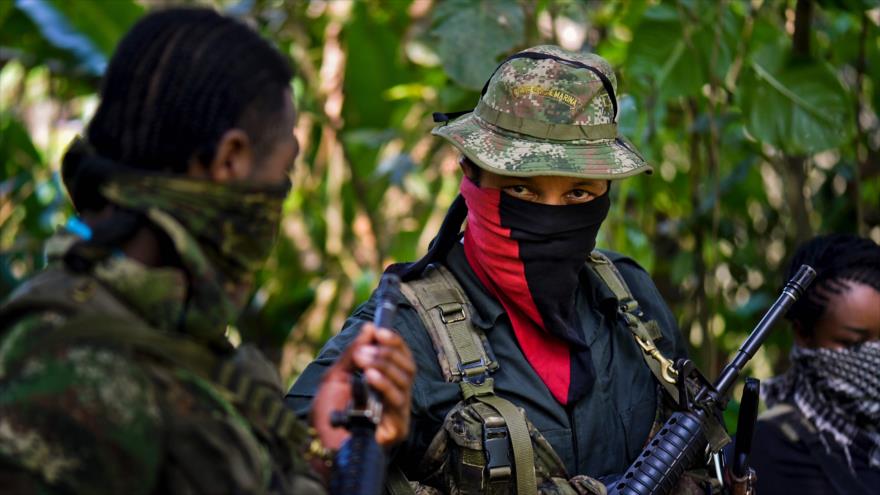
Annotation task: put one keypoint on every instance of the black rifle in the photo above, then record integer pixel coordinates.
(359, 466)
(682, 441)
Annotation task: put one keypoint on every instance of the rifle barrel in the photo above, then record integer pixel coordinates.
(793, 290)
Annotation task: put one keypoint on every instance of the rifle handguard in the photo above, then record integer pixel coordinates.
(679, 444)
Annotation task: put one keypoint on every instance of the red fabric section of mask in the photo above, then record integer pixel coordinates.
(494, 256)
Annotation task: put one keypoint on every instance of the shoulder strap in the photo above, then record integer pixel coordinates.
(445, 312)
(628, 307)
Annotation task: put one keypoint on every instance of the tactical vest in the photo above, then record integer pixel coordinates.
(91, 314)
(471, 451)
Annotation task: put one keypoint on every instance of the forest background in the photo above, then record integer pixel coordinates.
(760, 118)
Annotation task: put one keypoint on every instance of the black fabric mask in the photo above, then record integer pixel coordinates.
(529, 255)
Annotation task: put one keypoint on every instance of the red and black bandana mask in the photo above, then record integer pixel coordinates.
(528, 255)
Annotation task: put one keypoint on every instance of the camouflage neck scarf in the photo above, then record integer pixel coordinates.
(838, 391)
(221, 232)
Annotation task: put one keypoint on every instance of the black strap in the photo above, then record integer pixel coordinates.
(440, 117)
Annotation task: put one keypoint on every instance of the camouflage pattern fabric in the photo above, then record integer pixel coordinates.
(455, 463)
(547, 117)
(98, 416)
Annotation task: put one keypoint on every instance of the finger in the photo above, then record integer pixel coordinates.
(389, 433)
(400, 377)
(397, 350)
(391, 395)
(391, 361)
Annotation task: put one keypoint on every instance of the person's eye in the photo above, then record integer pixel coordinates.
(519, 191)
(580, 196)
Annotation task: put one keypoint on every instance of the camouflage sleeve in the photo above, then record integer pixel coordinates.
(80, 419)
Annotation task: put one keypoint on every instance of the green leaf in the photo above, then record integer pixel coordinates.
(470, 37)
(89, 29)
(798, 107)
(659, 56)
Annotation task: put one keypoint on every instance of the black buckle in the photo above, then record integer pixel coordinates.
(474, 378)
(496, 444)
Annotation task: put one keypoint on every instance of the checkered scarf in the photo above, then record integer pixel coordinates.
(838, 391)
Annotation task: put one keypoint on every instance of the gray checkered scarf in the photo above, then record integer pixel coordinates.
(838, 391)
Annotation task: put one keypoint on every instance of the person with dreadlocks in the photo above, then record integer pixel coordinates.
(542, 364)
(821, 433)
(116, 375)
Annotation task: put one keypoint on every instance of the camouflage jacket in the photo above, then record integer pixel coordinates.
(98, 415)
(599, 435)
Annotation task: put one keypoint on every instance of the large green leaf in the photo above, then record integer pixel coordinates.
(659, 57)
(89, 29)
(471, 36)
(797, 107)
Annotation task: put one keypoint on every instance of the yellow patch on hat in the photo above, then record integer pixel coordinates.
(558, 95)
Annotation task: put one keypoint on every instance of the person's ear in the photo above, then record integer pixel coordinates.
(233, 159)
(469, 169)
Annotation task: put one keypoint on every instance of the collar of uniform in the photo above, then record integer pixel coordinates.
(487, 309)
(158, 295)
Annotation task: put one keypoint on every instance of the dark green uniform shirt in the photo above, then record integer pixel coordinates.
(597, 436)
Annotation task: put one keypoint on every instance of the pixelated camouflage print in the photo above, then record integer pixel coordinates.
(99, 416)
(547, 92)
(550, 91)
(84, 419)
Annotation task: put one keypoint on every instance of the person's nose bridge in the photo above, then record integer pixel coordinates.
(552, 196)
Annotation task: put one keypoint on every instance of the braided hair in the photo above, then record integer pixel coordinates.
(178, 80)
(839, 259)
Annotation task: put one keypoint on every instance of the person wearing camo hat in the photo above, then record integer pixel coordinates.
(530, 376)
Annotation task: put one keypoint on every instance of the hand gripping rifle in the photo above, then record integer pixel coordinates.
(683, 440)
(359, 466)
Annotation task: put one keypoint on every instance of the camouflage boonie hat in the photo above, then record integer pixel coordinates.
(547, 111)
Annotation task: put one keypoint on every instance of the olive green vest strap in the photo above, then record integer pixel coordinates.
(662, 367)
(446, 313)
(520, 439)
(461, 348)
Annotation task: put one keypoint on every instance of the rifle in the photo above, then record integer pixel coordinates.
(683, 438)
(359, 465)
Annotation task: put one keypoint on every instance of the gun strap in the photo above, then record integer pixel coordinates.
(644, 334)
(461, 349)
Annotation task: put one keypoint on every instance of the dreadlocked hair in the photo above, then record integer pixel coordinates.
(177, 82)
(839, 260)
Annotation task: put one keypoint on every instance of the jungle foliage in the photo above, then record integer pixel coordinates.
(760, 118)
